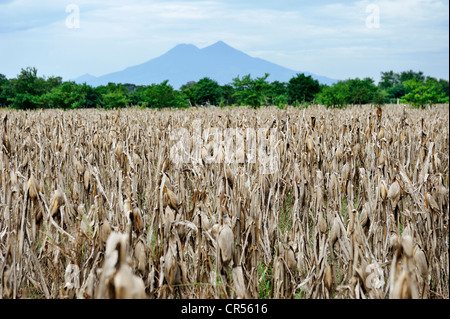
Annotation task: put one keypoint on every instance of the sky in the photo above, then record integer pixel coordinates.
(337, 39)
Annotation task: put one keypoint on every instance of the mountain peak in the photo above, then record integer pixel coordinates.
(222, 51)
(184, 48)
(185, 45)
(85, 78)
(219, 45)
(186, 62)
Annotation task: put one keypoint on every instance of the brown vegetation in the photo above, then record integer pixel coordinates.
(93, 205)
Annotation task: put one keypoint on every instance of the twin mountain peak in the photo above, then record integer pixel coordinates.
(186, 62)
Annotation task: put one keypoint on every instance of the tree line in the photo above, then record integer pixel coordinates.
(30, 91)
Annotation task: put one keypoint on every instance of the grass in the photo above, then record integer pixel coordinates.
(153, 245)
(31, 292)
(301, 294)
(344, 208)
(265, 274)
(285, 218)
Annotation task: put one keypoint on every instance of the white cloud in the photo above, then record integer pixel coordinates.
(324, 37)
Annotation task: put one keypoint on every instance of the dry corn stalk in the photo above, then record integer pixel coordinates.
(328, 222)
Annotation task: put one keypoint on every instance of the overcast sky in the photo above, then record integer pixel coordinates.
(338, 39)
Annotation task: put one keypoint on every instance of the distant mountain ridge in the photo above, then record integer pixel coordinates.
(186, 62)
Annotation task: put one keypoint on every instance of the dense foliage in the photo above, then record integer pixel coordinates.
(30, 91)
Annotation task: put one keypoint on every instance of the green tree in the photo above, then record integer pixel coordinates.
(114, 100)
(26, 90)
(442, 86)
(207, 90)
(59, 97)
(4, 89)
(334, 96)
(397, 91)
(163, 95)
(281, 101)
(362, 91)
(380, 97)
(394, 83)
(188, 91)
(422, 94)
(114, 96)
(277, 92)
(92, 97)
(70, 95)
(389, 80)
(302, 88)
(252, 92)
(411, 75)
(228, 94)
(137, 96)
(130, 87)
(52, 82)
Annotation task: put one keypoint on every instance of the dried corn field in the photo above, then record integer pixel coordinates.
(98, 204)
